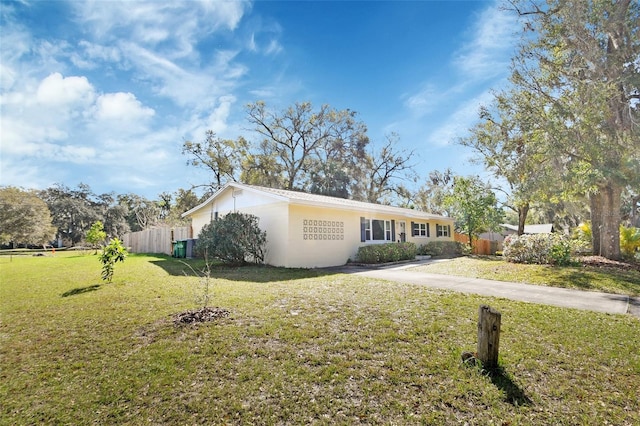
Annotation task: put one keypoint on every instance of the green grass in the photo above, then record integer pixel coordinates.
(608, 280)
(300, 347)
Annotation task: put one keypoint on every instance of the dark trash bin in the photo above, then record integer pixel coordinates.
(180, 249)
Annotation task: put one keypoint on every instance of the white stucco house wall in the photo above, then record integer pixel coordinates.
(309, 230)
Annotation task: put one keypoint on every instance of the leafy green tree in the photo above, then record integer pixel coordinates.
(262, 168)
(111, 253)
(221, 157)
(299, 139)
(430, 197)
(631, 207)
(96, 235)
(165, 201)
(474, 206)
(506, 143)
(113, 214)
(338, 169)
(73, 210)
(185, 199)
(235, 238)
(330, 178)
(582, 60)
(24, 217)
(141, 212)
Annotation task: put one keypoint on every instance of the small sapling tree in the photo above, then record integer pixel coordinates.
(202, 297)
(203, 293)
(96, 235)
(111, 253)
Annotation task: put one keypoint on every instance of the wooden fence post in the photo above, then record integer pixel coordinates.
(488, 336)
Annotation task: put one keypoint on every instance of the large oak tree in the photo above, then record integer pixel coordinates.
(582, 59)
(24, 218)
(313, 149)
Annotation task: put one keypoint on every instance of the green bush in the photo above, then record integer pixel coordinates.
(440, 248)
(551, 249)
(383, 253)
(235, 238)
(629, 242)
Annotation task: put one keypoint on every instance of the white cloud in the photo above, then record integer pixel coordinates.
(90, 55)
(460, 121)
(273, 48)
(172, 27)
(197, 88)
(62, 119)
(445, 111)
(69, 92)
(493, 39)
(121, 107)
(218, 119)
(430, 97)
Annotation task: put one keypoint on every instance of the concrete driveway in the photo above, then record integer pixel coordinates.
(566, 298)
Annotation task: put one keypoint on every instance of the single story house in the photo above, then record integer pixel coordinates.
(309, 230)
(543, 228)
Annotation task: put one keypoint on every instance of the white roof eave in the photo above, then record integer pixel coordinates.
(360, 207)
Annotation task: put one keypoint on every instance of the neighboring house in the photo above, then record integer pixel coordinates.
(308, 230)
(545, 228)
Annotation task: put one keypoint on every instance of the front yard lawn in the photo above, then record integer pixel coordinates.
(607, 279)
(299, 347)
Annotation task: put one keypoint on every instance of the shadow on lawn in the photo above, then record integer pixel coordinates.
(81, 290)
(567, 278)
(514, 394)
(250, 273)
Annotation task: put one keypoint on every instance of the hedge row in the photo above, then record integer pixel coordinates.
(383, 253)
(439, 248)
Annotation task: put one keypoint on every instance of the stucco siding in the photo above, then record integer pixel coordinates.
(320, 237)
(273, 219)
(306, 230)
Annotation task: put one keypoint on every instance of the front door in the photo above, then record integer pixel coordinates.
(402, 231)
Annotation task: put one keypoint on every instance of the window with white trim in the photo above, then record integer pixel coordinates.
(377, 230)
(443, 230)
(419, 229)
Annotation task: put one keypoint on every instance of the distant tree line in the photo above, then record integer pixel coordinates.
(31, 217)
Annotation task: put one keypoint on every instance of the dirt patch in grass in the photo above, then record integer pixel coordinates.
(200, 315)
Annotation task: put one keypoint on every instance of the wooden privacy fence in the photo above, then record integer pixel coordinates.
(155, 240)
(480, 246)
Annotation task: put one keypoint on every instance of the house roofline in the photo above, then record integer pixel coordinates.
(295, 198)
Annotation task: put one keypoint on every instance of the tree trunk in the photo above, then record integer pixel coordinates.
(595, 202)
(611, 218)
(522, 217)
(633, 218)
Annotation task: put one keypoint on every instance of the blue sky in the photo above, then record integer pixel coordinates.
(106, 92)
